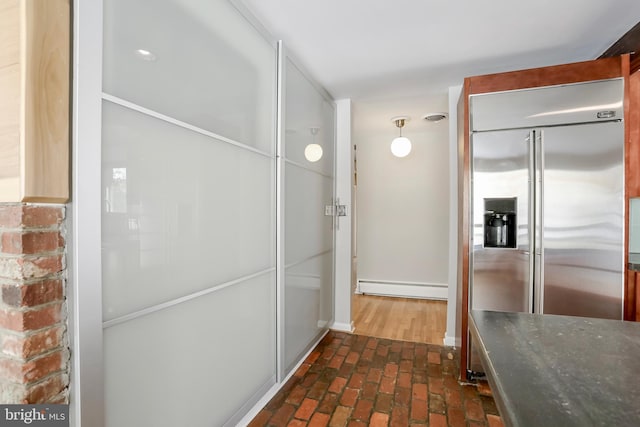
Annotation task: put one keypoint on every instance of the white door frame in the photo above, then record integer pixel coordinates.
(84, 297)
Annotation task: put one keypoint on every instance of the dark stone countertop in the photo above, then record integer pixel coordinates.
(634, 261)
(548, 371)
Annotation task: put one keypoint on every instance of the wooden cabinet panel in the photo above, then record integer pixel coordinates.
(633, 147)
(10, 98)
(631, 300)
(632, 184)
(10, 121)
(34, 105)
(600, 69)
(46, 102)
(9, 32)
(636, 289)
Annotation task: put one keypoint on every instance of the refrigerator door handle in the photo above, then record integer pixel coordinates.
(532, 217)
(539, 223)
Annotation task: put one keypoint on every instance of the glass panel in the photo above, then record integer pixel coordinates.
(308, 188)
(199, 62)
(308, 302)
(185, 210)
(308, 229)
(182, 211)
(309, 122)
(194, 364)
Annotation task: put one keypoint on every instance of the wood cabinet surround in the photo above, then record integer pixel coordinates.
(633, 146)
(632, 294)
(34, 101)
(599, 69)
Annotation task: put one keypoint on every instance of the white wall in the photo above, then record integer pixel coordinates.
(452, 335)
(403, 203)
(342, 307)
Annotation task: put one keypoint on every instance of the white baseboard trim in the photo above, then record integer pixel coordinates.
(437, 291)
(451, 341)
(255, 410)
(267, 393)
(343, 327)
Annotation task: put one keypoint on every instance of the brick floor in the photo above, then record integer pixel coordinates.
(353, 380)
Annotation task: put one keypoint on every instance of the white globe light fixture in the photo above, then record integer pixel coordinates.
(400, 146)
(313, 151)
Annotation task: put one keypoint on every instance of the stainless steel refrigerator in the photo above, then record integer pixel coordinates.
(547, 201)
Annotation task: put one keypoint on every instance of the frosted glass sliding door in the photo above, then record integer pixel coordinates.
(308, 174)
(181, 366)
(188, 213)
(196, 61)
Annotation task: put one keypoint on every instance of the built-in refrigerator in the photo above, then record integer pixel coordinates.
(547, 204)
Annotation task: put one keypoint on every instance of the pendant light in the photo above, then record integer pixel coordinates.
(313, 151)
(400, 146)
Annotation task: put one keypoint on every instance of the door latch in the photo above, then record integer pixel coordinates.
(336, 209)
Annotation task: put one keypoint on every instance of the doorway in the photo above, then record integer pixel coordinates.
(401, 222)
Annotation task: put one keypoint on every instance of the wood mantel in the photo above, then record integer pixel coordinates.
(34, 100)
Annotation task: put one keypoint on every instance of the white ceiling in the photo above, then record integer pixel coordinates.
(364, 49)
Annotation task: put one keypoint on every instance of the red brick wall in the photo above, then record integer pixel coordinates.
(34, 354)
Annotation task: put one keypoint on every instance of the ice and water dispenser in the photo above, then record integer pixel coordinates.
(500, 223)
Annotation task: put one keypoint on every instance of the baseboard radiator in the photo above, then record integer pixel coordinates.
(436, 291)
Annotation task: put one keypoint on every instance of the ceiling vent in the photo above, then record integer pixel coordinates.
(435, 117)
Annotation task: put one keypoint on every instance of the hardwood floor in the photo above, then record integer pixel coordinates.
(405, 319)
